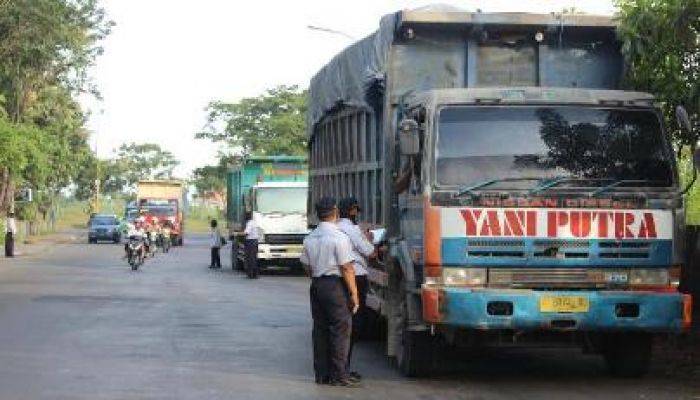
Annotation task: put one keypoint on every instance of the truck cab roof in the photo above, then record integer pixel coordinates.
(533, 95)
(281, 185)
(461, 19)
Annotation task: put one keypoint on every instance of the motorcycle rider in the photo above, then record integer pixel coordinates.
(166, 227)
(151, 236)
(135, 230)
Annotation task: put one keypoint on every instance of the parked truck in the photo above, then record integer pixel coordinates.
(274, 189)
(163, 200)
(526, 198)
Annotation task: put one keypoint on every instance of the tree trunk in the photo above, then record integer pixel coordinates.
(6, 190)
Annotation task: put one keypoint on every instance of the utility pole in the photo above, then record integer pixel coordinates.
(95, 202)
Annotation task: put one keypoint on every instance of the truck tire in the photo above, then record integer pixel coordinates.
(417, 355)
(628, 355)
(235, 261)
(416, 352)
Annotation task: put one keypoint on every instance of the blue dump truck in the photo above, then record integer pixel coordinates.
(274, 189)
(525, 196)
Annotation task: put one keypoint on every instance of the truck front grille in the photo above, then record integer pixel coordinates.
(543, 277)
(558, 249)
(294, 238)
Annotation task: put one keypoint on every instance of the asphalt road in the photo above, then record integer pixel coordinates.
(77, 323)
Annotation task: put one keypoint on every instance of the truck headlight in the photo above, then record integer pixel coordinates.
(464, 276)
(648, 277)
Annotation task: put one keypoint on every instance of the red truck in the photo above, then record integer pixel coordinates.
(163, 200)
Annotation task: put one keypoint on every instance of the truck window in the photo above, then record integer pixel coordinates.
(104, 221)
(477, 144)
(269, 200)
(161, 211)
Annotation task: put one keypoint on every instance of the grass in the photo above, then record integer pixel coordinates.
(198, 219)
(71, 215)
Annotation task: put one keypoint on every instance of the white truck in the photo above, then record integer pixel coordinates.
(275, 190)
(279, 209)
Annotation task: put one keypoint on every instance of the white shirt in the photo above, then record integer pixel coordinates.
(252, 232)
(326, 249)
(361, 247)
(133, 231)
(215, 237)
(11, 226)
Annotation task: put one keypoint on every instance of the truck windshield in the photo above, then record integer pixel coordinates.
(104, 221)
(158, 211)
(281, 200)
(477, 144)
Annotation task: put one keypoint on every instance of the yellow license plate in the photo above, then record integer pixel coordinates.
(566, 304)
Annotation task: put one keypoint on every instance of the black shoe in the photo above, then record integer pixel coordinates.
(346, 382)
(323, 380)
(355, 375)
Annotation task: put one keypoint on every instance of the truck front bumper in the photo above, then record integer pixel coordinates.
(280, 252)
(521, 309)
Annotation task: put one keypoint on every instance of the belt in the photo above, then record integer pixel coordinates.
(327, 277)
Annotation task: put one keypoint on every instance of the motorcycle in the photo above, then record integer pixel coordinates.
(135, 252)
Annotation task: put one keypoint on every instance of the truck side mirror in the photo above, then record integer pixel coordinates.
(683, 119)
(684, 122)
(409, 140)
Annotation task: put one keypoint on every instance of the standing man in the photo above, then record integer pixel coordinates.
(250, 245)
(215, 243)
(328, 253)
(10, 234)
(362, 249)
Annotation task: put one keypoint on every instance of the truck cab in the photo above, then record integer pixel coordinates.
(279, 209)
(544, 209)
(275, 190)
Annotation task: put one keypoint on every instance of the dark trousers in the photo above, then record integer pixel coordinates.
(250, 246)
(332, 327)
(358, 320)
(215, 258)
(9, 244)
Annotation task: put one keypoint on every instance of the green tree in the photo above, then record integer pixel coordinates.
(270, 124)
(135, 162)
(661, 44)
(210, 178)
(47, 43)
(46, 49)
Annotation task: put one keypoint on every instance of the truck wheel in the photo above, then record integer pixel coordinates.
(416, 352)
(628, 355)
(234, 257)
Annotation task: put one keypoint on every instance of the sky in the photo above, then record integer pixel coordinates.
(167, 59)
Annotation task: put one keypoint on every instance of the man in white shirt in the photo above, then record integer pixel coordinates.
(333, 293)
(215, 242)
(250, 245)
(134, 230)
(362, 249)
(10, 234)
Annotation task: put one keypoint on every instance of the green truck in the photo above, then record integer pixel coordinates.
(274, 189)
